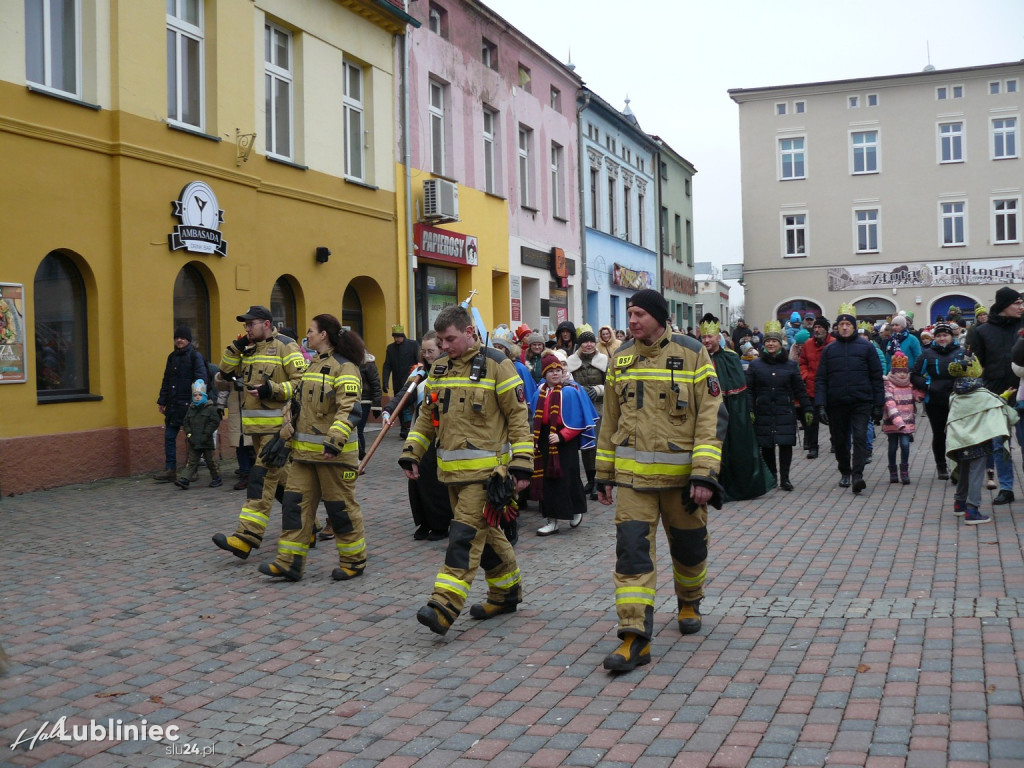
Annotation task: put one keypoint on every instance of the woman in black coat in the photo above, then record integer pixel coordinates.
(774, 384)
(931, 374)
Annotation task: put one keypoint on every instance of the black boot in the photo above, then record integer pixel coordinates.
(943, 471)
(893, 476)
(905, 474)
(858, 484)
(784, 483)
(844, 480)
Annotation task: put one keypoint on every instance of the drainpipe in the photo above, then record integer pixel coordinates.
(407, 163)
(580, 153)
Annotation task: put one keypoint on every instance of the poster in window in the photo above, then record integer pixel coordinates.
(12, 334)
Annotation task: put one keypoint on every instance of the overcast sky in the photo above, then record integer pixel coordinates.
(676, 60)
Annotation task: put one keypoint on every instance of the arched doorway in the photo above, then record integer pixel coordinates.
(62, 348)
(352, 311)
(283, 306)
(941, 305)
(782, 314)
(874, 308)
(192, 307)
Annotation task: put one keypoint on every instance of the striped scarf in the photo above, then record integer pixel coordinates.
(548, 414)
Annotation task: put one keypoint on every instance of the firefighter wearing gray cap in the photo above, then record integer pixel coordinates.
(256, 361)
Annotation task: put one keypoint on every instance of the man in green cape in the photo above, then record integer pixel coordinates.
(744, 475)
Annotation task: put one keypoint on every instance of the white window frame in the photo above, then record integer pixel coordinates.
(438, 129)
(557, 184)
(941, 92)
(876, 144)
(52, 57)
(871, 225)
(799, 228)
(274, 73)
(627, 210)
(792, 153)
(489, 54)
(994, 87)
(799, 107)
(956, 91)
(853, 102)
(951, 139)
(953, 216)
(1011, 217)
(181, 29)
(1003, 133)
(872, 99)
(489, 134)
(595, 191)
(780, 109)
(556, 99)
(524, 148)
(354, 111)
(1011, 85)
(641, 202)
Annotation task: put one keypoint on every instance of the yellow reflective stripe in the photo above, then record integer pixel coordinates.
(704, 372)
(605, 454)
(265, 359)
(349, 378)
(507, 581)
(451, 584)
(344, 427)
(287, 389)
(351, 549)
(508, 384)
(485, 463)
(709, 451)
(271, 424)
(692, 581)
(453, 382)
(252, 515)
(419, 438)
(651, 468)
(634, 596)
(228, 360)
(292, 548)
(292, 357)
(523, 447)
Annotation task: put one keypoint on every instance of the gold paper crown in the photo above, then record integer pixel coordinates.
(847, 309)
(773, 326)
(865, 326)
(585, 328)
(710, 328)
(967, 366)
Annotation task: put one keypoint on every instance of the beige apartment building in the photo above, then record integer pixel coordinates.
(899, 192)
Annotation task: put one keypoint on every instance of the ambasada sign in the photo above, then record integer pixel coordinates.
(200, 216)
(444, 245)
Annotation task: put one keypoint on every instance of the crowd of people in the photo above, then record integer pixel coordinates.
(642, 421)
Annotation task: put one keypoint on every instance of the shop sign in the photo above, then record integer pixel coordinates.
(199, 231)
(444, 245)
(926, 274)
(12, 334)
(633, 279)
(673, 281)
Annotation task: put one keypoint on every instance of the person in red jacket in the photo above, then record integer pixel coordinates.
(810, 355)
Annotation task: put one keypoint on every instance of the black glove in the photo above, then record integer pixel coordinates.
(591, 392)
(275, 452)
(876, 414)
(220, 412)
(264, 390)
(822, 415)
(501, 504)
(375, 411)
(406, 463)
(330, 451)
(241, 343)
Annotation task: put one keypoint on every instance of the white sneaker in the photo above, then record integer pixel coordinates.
(576, 520)
(550, 528)
(991, 483)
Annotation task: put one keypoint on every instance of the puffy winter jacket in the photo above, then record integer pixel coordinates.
(993, 345)
(773, 384)
(931, 374)
(849, 373)
(810, 356)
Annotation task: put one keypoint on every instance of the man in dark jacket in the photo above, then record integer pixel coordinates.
(184, 366)
(992, 343)
(399, 358)
(847, 392)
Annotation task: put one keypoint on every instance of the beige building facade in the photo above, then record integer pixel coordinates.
(899, 192)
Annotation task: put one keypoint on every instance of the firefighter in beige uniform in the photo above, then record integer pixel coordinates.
(268, 366)
(474, 405)
(324, 445)
(661, 444)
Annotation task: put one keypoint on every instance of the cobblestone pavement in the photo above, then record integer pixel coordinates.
(873, 630)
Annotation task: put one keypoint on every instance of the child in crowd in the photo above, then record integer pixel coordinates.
(898, 422)
(976, 416)
(200, 424)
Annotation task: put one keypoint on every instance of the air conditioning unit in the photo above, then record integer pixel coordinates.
(440, 200)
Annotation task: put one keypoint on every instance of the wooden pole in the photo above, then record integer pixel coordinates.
(409, 390)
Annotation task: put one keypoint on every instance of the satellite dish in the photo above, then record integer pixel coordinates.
(929, 68)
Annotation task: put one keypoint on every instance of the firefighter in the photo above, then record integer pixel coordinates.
(475, 407)
(324, 451)
(661, 444)
(266, 366)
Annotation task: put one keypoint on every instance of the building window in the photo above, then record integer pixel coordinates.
(1011, 86)
(957, 91)
(437, 127)
(490, 126)
(794, 232)
(283, 306)
(689, 243)
(853, 102)
(641, 201)
(489, 54)
(192, 306)
(941, 93)
(277, 75)
(437, 20)
(1007, 221)
(53, 44)
(867, 231)
(557, 192)
(525, 149)
(185, 90)
(688, 187)
(791, 158)
(780, 108)
(993, 87)
(951, 142)
(595, 183)
(355, 126)
(678, 247)
(800, 107)
(62, 352)
(524, 78)
(865, 151)
(611, 205)
(1004, 138)
(954, 224)
(556, 99)
(872, 99)
(627, 214)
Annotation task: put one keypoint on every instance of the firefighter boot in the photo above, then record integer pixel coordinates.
(236, 546)
(689, 617)
(634, 651)
(343, 573)
(435, 618)
(292, 573)
(488, 610)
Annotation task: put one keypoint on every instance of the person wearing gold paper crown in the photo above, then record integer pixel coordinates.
(661, 444)
(744, 474)
(847, 393)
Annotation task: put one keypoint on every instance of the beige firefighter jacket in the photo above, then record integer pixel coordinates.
(663, 422)
(329, 411)
(479, 425)
(277, 360)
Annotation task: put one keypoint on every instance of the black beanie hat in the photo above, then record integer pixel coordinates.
(183, 332)
(1004, 298)
(651, 302)
(823, 322)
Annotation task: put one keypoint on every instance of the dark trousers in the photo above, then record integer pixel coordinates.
(938, 414)
(785, 460)
(846, 422)
(811, 435)
(174, 415)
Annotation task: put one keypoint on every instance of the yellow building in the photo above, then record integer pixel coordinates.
(172, 164)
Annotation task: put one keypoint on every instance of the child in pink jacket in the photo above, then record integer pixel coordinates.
(898, 421)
